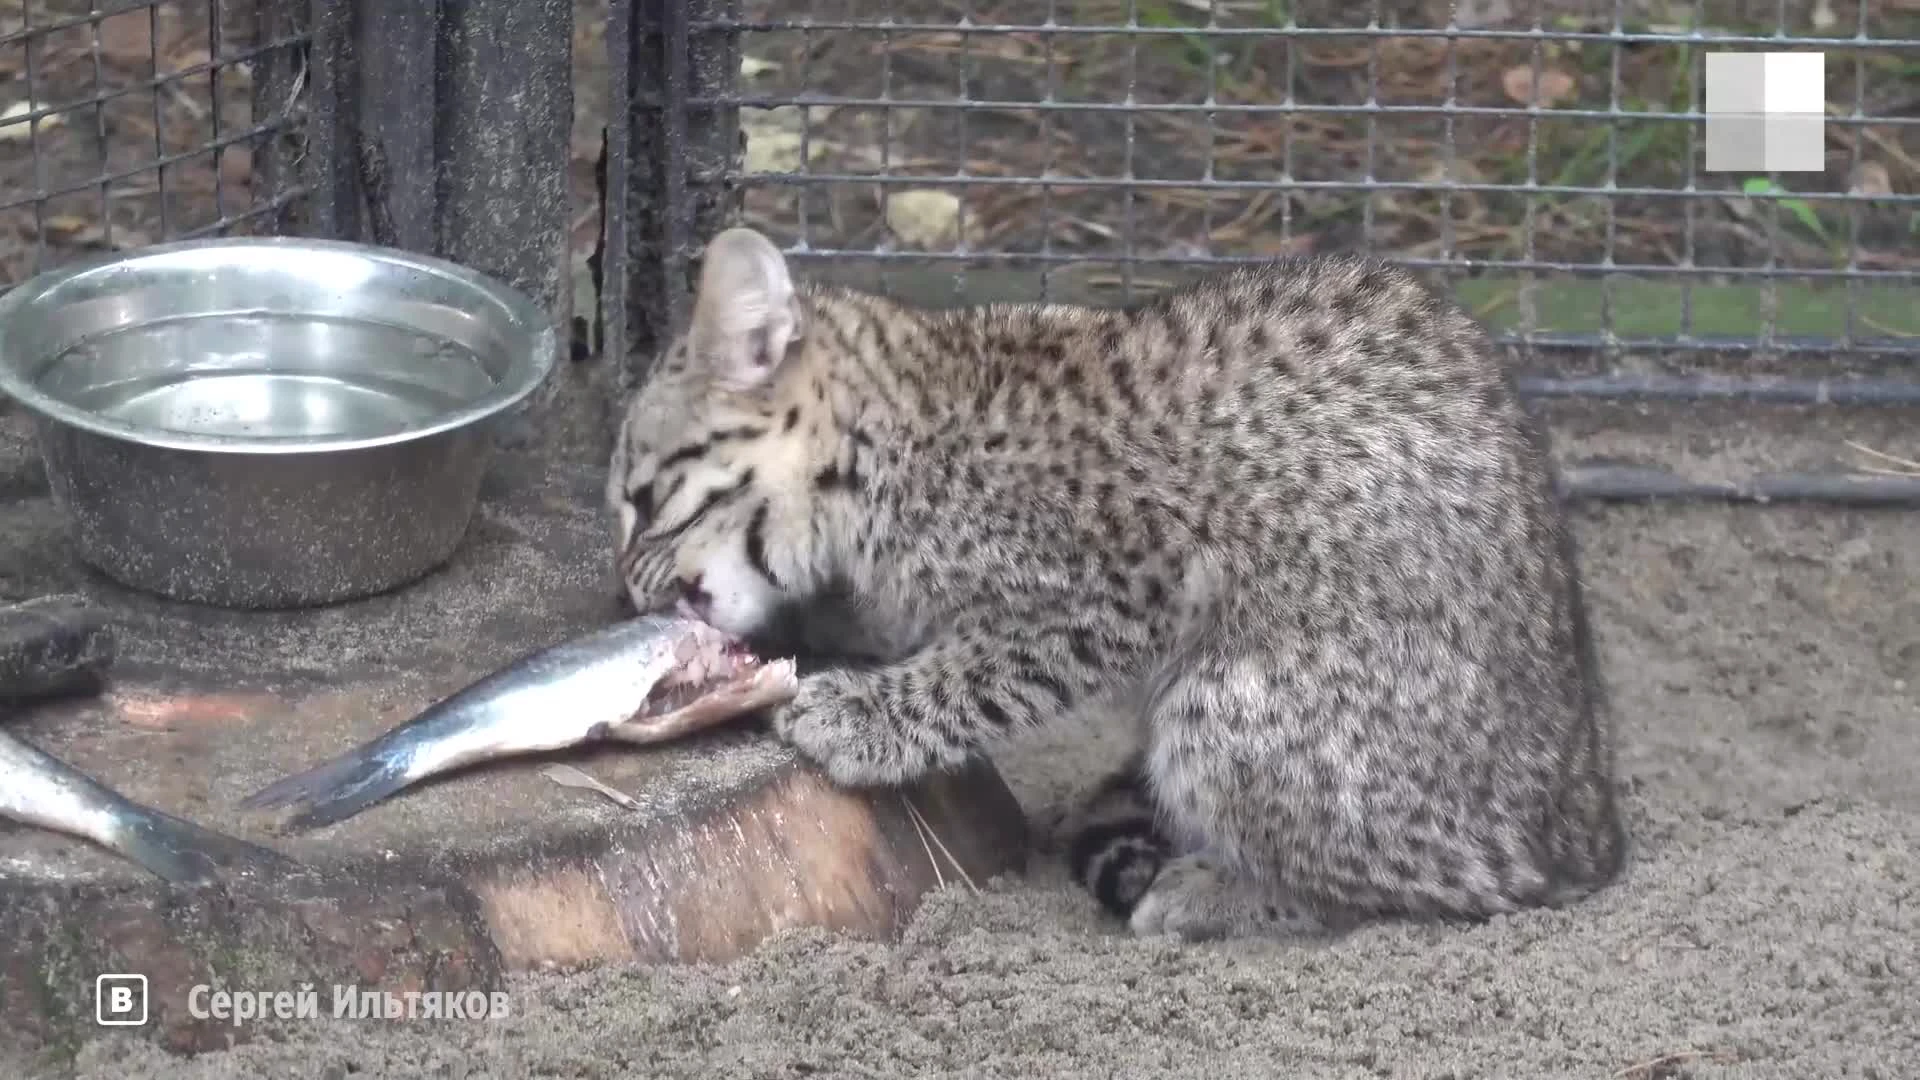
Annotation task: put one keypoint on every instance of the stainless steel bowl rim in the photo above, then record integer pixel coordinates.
(528, 372)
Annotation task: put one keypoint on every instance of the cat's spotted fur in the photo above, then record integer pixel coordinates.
(1290, 525)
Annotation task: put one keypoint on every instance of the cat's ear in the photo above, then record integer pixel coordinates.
(745, 314)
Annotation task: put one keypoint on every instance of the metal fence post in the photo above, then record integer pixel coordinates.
(282, 78)
(443, 127)
(671, 171)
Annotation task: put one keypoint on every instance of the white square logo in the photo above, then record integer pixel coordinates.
(120, 1000)
(1766, 112)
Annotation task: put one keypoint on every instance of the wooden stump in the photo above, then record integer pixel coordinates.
(702, 880)
(456, 883)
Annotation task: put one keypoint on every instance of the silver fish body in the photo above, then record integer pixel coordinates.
(39, 789)
(572, 693)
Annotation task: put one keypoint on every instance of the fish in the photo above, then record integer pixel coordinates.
(39, 789)
(642, 680)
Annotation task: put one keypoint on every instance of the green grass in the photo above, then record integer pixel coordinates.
(1652, 309)
(1232, 59)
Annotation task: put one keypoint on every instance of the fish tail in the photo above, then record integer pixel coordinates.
(184, 853)
(335, 790)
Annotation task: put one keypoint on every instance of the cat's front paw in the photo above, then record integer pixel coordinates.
(836, 722)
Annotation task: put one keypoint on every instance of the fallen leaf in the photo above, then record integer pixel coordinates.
(1555, 85)
(774, 150)
(751, 66)
(1823, 16)
(773, 140)
(76, 231)
(176, 712)
(236, 164)
(925, 219)
(66, 226)
(1872, 180)
(568, 776)
(12, 127)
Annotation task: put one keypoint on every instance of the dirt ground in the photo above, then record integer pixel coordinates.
(1764, 664)
(1765, 668)
(139, 100)
(1333, 146)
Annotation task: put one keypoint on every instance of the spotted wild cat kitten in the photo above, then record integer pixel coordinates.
(1289, 525)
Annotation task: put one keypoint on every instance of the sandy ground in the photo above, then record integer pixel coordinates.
(1765, 664)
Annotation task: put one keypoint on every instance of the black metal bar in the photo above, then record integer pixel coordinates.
(1340, 33)
(714, 142)
(216, 43)
(1134, 183)
(148, 165)
(267, 37)
(399, 109)
(443, 127)
(677, 221)
(40, 25)
(683, 164)
(501, 147)
(1759, 389)
(273, 210)
(331, 134)
(1887, 352)
(642, 193)
(1634, 483)
(614, 245)
(1457, 265)
(1176, 108)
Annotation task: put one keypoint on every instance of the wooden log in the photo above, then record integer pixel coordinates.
(456, 883)
(707, 882)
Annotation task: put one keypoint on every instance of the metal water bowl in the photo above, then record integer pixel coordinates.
(269, 422)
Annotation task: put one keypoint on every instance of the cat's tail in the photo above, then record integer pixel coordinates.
(1115, 846)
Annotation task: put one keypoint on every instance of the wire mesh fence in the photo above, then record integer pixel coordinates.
(124, 124)
(1544, 156)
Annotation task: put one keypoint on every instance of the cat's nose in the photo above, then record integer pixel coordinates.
(695, 599)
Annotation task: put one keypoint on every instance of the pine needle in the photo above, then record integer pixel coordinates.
(927, 833)
(1902, 466)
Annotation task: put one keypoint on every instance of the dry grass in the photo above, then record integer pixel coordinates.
(1011, 138)
(1674, 1065)
(929, 841)
(1885, 464)
(137, 100)
(1078, 213)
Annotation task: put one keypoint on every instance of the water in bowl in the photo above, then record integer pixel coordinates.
(269, 377)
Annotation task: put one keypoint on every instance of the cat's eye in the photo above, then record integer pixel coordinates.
(641, 501)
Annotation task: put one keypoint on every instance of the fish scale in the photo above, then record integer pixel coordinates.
(595, 687)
